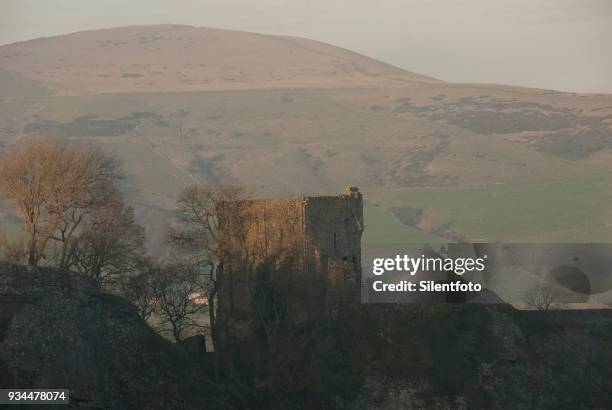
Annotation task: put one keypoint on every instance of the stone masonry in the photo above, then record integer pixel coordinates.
(312, 243)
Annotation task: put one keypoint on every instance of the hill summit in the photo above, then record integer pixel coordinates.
(186, 58)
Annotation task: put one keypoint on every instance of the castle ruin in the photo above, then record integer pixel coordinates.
(310, 244)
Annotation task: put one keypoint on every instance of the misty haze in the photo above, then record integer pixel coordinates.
(192, 196)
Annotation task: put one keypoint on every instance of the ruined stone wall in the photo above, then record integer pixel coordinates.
(334, 225)
(312, 242)
(271, 232)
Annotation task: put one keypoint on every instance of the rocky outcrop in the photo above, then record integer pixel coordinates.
(57, 330)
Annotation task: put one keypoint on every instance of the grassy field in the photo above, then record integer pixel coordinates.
(577, 209)
(381, 227)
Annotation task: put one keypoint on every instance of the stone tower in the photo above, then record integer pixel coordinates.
(310, 243)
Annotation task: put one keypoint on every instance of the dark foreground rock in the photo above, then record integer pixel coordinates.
(58, 331)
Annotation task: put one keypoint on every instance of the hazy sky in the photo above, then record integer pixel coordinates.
(559, 44)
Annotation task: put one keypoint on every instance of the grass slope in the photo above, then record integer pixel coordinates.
(563, 210)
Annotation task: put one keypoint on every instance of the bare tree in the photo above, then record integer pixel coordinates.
(111, 244)
(542, 296)
(28, 175)
(88, 186)
(139, 289)
(53, 186)
(175, 288)
(201, 211)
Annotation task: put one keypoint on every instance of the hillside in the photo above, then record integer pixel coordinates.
(180, 104)
(57, 329)
(185, 58)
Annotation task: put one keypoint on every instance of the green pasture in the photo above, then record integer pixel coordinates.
(575, 209)
(381, 227)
